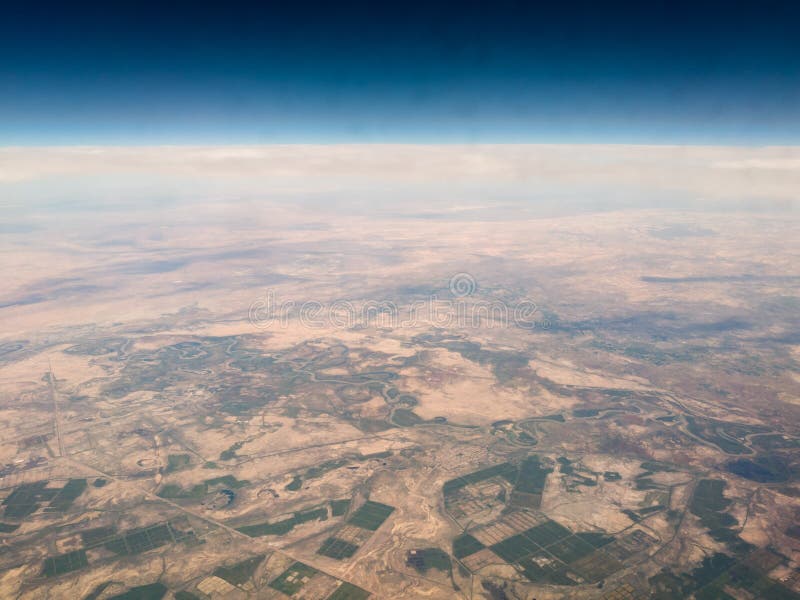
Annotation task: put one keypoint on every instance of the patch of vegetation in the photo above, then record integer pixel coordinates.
(65, 563)
(371, 515)
(184, 595)
(325, 467)
(540, 567)
(505, 470)
(709, 504)
(559, 418)
(429, 558)
(340, 507)
(295, 484)
(611, 476)
(595, 538)
(293, 579)
(26, 499)
(547, 533)
(286, 525)
(774, 441)
(570, 549)
(8, 527)
(515, 548)
(199, 490)
(770, 468)
(719, 433)
(337, 548)
(405, 417)
(98, 591)
(176, 462)
(143, 539)
(97, 535)
(99, 482)
(583, 413)
(241, 572)
(230, 453)
(465, 544)
(151, 591)
(532, 476)
(348, 591)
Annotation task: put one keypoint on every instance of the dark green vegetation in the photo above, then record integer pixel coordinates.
(771, 468)
(295, 484)
(64, 563)
(197, 491)
(337, 548)
(291, 580)
(8, 527)
(27, 498)
(348, 591)
(582, 413)
(774, 441)
(98, 591)
(465, 544)
(528, 480)
(340, 507)
(728, 437)
(99, 482)
(532, 476)
(184, 595)
(570, 549)
(550, 553)
(406, 418)
(176, 462)
(151, 591)
(241, 572)
(371, 515)
(709, 503)
(286, 525)
(505, 470)
(230, 453)
(134, 541)
(428, 558)
(720, 575)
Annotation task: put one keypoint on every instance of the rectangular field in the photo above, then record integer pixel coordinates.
(371, 515)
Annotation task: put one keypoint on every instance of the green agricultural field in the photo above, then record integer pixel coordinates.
(515, 548)
(371, 515)
(143, 539)
(151, 591)
(532, 476)
(286, 525)
(547, 533)
(64, 563)
(336, 548)
(465, 545)
(570, 549)
(241, 572)
(340, 507)
(545, 569)
(424, 559)
(348, 591)
(176, 462)
(505, 470)
(26, 499)
(293, 579)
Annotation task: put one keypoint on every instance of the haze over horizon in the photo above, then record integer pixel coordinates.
(657, 73)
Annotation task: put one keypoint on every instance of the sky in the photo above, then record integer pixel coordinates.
(652, 72)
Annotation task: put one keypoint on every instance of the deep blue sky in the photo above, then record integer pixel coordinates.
(651, 72)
